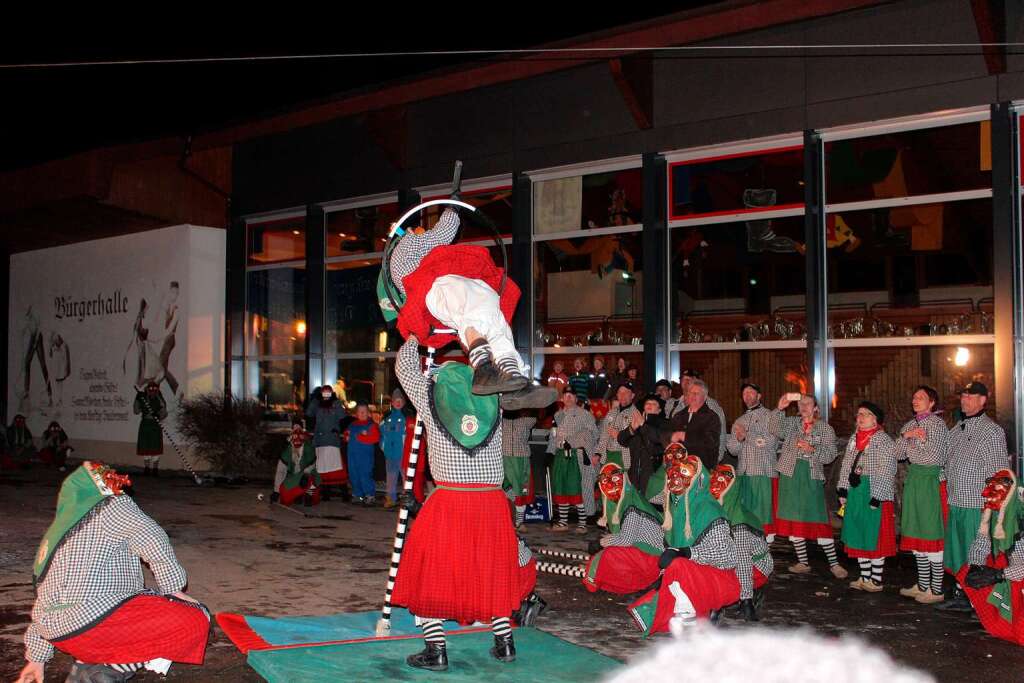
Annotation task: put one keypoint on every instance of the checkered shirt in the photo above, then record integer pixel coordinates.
(412, 248)
(715, 547)
(618, 420)
(789, 430)
(749, 545)
(977, 449)
(756, 453)
(982, 548)
(576, 426)
(932, 451)
(525, 554)
(878, 462)
(449, 461)
(515, 436)
(638, 527)
(97, 568)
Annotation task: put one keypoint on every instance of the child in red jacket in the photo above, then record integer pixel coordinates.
(363, 435)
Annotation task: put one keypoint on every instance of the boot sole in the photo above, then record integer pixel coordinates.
(541, 398)
(503, 388)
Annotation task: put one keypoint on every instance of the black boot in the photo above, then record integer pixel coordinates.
(531, 396)
(146, 471)
(715, 616)
(531, 608)
(489, 379)
(504, 649)
(748, 610)
(156, 471)
(958, 603)
(758, 598)
(434, 657)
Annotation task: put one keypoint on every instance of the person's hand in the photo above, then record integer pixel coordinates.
(32, 673)
(874, 503)
(637, 421)
(804, 446)
(678, 437)
(606, 540)
(783, 402)
(739, 431)
(979, 576)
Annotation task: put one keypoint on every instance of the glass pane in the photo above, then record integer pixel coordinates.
(363, 379)
(912, 270)
(738, 281)
(758, 181)
(354, 322)
(589, 291)
(279, 385)
(276, 315)
(277, 241)
(359, 231)
(888, 375)
(598, 200)
(914, 162)
(615, 366)
(496, 204)
(776, 371)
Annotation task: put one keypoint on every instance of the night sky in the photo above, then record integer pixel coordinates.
(50, 113)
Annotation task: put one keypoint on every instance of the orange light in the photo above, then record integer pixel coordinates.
(300, 327)
(296, 232)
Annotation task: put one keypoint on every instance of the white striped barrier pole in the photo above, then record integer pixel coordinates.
(561, 569)
(384, 623)
(554, 552)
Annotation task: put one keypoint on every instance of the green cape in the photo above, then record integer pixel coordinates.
(736, 512)
(703, 510)
(83, 490)
(1000, 596)
(466, 418)
(294, 475)
(631, 499)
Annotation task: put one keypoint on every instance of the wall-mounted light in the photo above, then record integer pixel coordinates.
(382, 341)
(962, 356)
(300, 327)
(296, 232)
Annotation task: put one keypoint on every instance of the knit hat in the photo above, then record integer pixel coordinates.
(653, 397)
(397, 393)
(875, 409)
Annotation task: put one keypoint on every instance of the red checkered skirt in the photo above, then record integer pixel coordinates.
(472, 262)
(886, 546)
(621, 570)
(988, 614)
(461, 557)
(143, 628)
(708, 588)
(527, 579)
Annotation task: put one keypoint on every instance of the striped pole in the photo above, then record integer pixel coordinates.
(564, 554)
(561, 569)
(384, 623)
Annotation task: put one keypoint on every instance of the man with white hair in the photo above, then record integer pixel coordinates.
(688, 378)
(697, 427)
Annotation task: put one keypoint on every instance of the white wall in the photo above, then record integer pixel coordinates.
(89, 295)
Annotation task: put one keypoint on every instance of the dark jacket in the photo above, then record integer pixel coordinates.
(703, 432)
(329, 420)
(645, 449)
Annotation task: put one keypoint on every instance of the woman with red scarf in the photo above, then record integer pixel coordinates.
(866, 485)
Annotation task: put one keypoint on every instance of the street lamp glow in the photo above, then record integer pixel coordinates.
(962, 356)
(300, 327)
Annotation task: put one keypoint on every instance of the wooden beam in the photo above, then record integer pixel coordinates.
(634, 76)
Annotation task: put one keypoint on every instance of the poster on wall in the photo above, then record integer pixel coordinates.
(92, 325)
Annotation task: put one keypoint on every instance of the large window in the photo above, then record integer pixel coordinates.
(275, 319)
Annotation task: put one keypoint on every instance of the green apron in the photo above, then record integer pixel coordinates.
(756, 496)
(801, 497)
(517, 475)
(615, 457)
(960, 533)
(861, 525)
(566, 481)
(656, 484)
(921, 516)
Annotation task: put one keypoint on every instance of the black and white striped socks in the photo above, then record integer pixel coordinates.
(563, 515)
(829, 546)
(800, 546)
(877, 566)
(502, 627)
(924, 573)
(433, 632)
(479, 353)
(509, 365)
(937, 576)
(520, 514)
(581, 516)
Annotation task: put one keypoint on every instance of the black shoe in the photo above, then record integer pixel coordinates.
(489, 379)
(433, 657)
(758, 599)
(156, 471)
(530, 397)
(146, 471)
(959, 603)
(715, 616)
(748, 610)
(96, 673)
(504, 649)
(533, 606)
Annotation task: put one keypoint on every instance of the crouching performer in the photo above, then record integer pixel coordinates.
(700, 556)
(461, 557)
(753, 560)
(994, 579)
(91, 600)
(626, 559)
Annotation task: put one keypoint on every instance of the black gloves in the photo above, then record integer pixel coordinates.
(979, 577)
(407, 500)
(854, 480)
(875, 503)
(843, 493)
(671, 554)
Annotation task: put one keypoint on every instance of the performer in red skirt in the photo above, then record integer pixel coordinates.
(866, 489)
(700, 559)
(994, 579)
(91, 602)
(460, 559)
